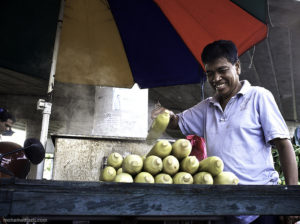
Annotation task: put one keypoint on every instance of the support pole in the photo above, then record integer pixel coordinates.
(46, 106)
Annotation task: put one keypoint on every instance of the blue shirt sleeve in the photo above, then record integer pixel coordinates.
(272, 122)
(191, 121)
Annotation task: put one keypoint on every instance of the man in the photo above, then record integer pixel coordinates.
(6, 122)
(239, 123)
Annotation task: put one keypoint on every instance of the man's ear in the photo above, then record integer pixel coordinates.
(238, 67)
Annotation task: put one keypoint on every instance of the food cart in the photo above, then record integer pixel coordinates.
(80, 195)
(131, 202)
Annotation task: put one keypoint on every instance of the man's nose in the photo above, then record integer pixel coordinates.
(216, 76)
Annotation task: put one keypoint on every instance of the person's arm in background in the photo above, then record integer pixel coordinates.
(287, 160)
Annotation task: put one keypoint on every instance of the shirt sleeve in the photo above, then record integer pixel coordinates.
(272, 122)
(191, 121)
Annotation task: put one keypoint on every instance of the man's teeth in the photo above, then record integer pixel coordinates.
(220, 86)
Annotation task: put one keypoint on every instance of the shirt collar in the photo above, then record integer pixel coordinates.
(245, 88)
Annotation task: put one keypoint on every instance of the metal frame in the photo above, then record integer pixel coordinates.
(46, 105)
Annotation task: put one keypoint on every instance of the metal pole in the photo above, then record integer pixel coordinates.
(42, 104)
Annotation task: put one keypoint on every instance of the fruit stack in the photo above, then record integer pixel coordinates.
(167, 163)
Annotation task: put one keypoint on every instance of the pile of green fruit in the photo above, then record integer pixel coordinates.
(167, 163)
(277, 164)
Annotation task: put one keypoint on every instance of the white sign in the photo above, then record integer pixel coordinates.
(121, 112)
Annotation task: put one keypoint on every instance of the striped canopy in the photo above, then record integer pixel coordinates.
(121, 42)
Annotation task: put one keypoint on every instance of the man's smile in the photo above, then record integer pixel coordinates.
(219, 86)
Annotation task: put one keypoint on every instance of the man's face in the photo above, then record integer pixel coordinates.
(223, 77)
(5, 125)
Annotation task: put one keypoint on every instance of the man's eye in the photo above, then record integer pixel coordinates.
(223, 71)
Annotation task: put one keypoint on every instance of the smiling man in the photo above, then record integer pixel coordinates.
(240, 123)
(223, 76)
(6, 122)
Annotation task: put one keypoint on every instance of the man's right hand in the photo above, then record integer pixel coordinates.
(156, 111)
(173, 124)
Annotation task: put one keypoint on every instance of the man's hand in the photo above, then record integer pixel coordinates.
(158, 109)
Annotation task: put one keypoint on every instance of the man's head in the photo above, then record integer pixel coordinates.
(220, 49)
(6, 121)
(222, 67)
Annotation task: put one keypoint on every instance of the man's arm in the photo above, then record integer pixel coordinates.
(287, 160)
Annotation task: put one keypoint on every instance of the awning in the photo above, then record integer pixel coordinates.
(122, 42)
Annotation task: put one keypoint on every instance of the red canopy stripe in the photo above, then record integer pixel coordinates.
(200, 22)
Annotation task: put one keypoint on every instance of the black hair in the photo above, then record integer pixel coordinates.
(220, 49)
(5, 115)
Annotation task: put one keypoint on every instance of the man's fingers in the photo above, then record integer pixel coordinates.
(157, 111)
